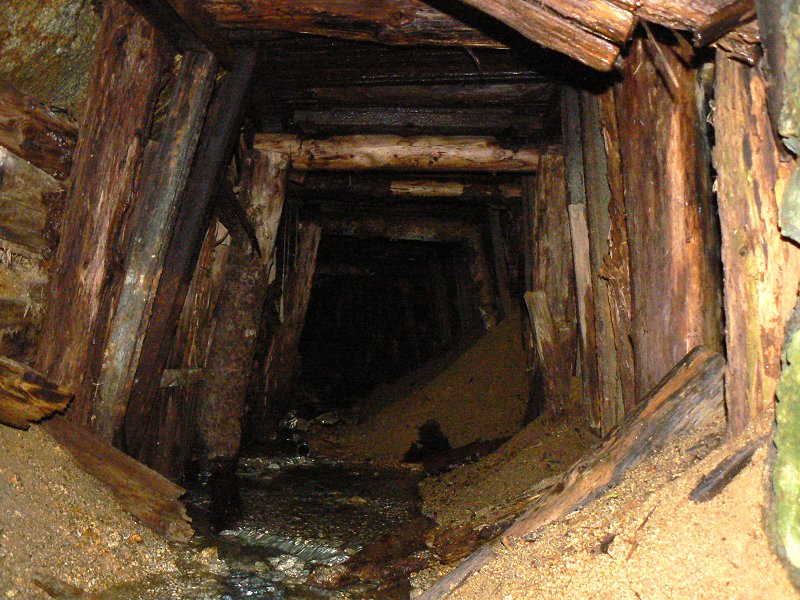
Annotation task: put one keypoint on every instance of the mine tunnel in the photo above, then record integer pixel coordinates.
(399, 299)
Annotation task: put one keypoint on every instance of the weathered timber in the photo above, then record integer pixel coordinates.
(26, 396)
(499, 258)
(610, 407)
(171, 433)
(711, 18)
(761, 268)
(590, 32)
(689, 395)
(770, 15)
(282, 361)
(124, 83)
(430, 230)
(30, 131)
(163, 183)
(571, 125)
(146, 495)
(674, 268)
(214, 150)
(554, 274)
(615, 270)
(357, 152)
(399, 120)
(380, 187)
(239, 311)
(743, 43)
(385, 21)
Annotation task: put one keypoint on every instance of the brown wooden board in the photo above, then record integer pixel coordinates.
(26, 396)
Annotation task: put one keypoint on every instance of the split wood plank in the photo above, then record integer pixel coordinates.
(761, 268)
(239, 310)
(32, 132)
(144, 494)
(711, 18)
(690, 395)
(27, 396)
(214, 150)
(164, 181)
(416, 153)
(123, 87)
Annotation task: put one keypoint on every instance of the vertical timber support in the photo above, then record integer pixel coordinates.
(761, 268)
(579, 232)
(159, 195)
(553, 282)
(239, 310)
(217, 140)
(500, 266)
(282, 361)
(124, 84)
(675, 272)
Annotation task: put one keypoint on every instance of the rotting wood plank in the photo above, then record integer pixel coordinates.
(714, 17)
(239, 311)
(690, 395)
(123, 86)
(761, 268)
(162, 186)
(414, 153)
(665, 157)
(35, 134)
(142, 493)
(26, 396)
(214, 150)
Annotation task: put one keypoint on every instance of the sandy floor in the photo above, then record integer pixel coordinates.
(62, 534)
(480, 396)
(660, 544)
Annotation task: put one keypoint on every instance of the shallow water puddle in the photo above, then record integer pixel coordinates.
(303, 520)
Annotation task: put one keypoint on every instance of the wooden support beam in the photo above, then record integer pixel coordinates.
(217, 139)
(26, 396)
(665, 157)
(142, 493)
(282, 360)
(166, 172)
(710, 19)
(500, 265)
(554, 275)
(30, 131)
(590, 32)
(358, 152)
(385, 21)
(761, 269)
(688, 396)
(239, 310)
(123, 86)
(381, 187)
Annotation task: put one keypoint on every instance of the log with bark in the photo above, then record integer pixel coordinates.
(26, 396)
(34, 133)
(690, 395)
(421, 153)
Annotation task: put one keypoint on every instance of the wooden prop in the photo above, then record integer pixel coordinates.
(26, 396)
(689, 395)
(144, 494)
(556, 372)
(123, 87)
(32, 132)
(499, 257)
(161, 189)
(423, 153)
(239, 310)
(761, 268)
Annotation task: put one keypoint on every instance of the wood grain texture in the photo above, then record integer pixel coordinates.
(420, 153)
(239, 311)
(142, 493)
(124, 84)
(26, 396)
(163, 184)
(690, 395)
(762, 269)
(35, 134)
(671, 235)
